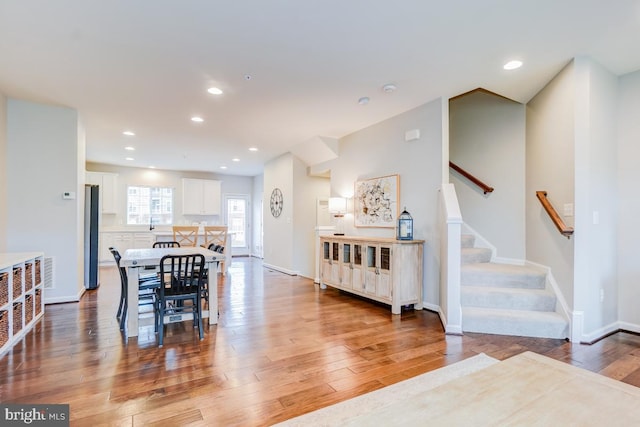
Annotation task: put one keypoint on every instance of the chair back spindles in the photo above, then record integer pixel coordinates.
(166, 245)
(183, 281)
(186, 235)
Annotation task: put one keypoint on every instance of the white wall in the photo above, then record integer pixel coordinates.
(306, 191)
(596, 283)
(128, 176)
(257, 248)
(278, 231)
(550, 157)
(3, 172)
(629, 203)
(381, 150)
(42, 162)
(487, 139)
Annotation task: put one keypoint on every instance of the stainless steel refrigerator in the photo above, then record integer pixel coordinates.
(91, 219)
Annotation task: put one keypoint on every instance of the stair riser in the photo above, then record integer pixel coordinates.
(514, 327)
(476, 255)
(468, 240)
(501, 280)
(494, 299)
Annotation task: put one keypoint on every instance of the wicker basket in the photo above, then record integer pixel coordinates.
(17, 282)
(17, 317)
(38, 274)
(4, 327)
(4, 288)
(38, 301)
(28, 309)
(28, 276)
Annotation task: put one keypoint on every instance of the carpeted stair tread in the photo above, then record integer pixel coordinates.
(502, 275)
(514, 322)
(475, 255)
(513, 298)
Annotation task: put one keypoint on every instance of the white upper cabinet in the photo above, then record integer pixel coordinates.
(200, 197)
(108, 183)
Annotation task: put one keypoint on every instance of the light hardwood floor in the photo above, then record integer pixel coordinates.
(282, 348)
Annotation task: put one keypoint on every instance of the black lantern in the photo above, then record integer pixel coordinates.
(405, 226)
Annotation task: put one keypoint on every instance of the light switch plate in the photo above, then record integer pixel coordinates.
(568, 209)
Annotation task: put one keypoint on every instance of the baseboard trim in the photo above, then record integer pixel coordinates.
(448, 329)
(280, 269)
(61, 300)
(605, 331)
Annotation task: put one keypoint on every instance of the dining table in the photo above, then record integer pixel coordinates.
(137, 261)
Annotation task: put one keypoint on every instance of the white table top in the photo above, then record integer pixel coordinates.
(152, 256)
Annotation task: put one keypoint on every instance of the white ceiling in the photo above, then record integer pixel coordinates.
(145, 65)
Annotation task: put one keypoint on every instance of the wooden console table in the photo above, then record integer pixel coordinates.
(384, 270)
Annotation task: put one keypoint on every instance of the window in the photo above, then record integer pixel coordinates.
(146, 204)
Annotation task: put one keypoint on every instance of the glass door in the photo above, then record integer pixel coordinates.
(237, 215)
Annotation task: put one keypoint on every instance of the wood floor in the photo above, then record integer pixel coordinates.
(282, 348)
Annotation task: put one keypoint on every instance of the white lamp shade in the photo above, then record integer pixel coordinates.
(337, 205)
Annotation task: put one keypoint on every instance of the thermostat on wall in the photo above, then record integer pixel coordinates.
(69, 195)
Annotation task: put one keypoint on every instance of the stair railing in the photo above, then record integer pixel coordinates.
(484, 187)
(555, 218)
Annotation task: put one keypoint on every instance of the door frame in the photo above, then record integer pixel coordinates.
(240, 251)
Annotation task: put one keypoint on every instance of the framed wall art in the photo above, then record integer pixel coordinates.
(376, 202)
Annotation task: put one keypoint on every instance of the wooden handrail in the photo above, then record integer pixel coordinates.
(484, 187)
(557, 221)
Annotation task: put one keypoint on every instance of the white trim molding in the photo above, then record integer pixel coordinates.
(281, 269)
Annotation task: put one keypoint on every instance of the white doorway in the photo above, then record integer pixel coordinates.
(238, 220)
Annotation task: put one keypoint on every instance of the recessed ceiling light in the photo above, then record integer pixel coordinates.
(253, 149)
(129, 158)
(388, 88)
(512, 65)
(214, 91)
(364, 100)
(129, 148)
(197, 119)
(223, 167)
(235, 159)
(128, 133)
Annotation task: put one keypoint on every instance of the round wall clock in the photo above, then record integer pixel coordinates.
(276, 202)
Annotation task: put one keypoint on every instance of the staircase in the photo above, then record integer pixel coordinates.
(506, 299)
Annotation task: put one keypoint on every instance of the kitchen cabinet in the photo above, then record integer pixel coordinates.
(21, 295)
(123, 240)
(106, 242)
(108, 183)
(384, 270)
(200, 196)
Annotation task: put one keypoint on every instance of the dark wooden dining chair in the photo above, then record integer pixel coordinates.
(166, 245)
(180, 291)
(145, 296)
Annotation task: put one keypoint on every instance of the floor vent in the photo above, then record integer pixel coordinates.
(48, 273)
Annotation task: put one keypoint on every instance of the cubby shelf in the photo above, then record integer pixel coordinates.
(21, 295)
